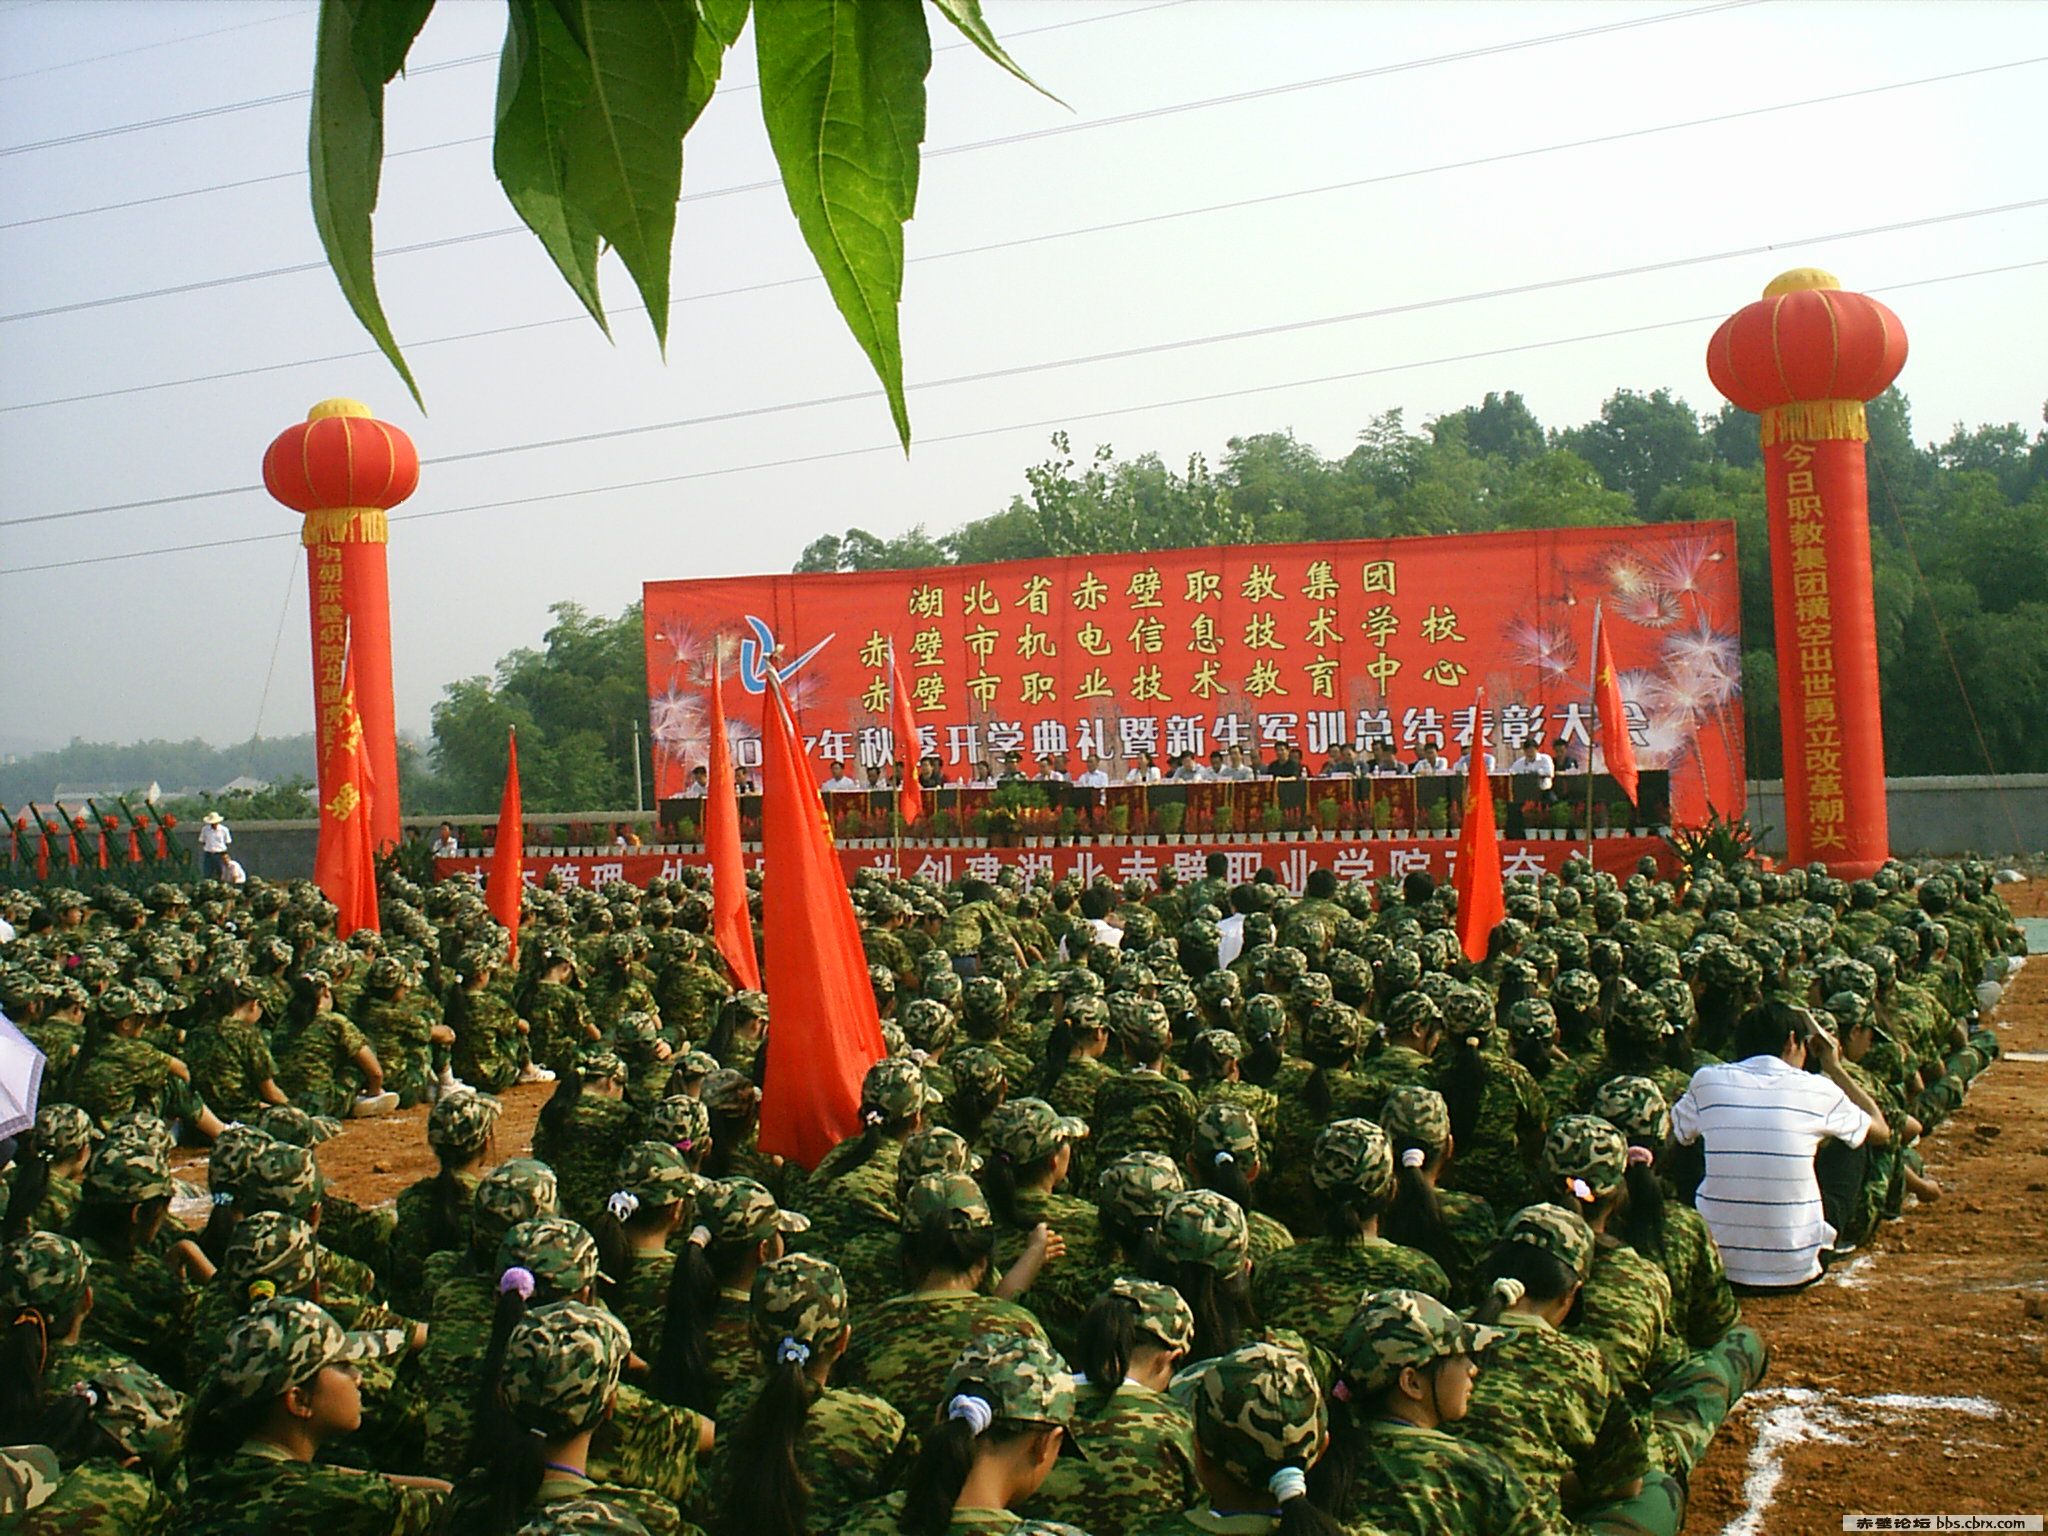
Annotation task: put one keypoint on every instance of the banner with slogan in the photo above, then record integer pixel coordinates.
(1249, 647)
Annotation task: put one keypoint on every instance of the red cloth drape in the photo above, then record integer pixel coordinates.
(1481, 902)
(731, 928)
(502, 891)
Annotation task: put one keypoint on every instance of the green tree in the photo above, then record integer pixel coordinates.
(1641, 443)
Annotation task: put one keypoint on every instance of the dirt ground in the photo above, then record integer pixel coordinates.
(1913, 1381)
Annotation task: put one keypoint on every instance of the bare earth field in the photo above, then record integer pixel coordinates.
(1914, 1380)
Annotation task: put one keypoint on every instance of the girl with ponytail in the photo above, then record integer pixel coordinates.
(1204, 1252)
(635, 1232)
(433, 1214)
(49, 1163)
(804, 1452)
(1004, 1414)
(1259, 1436)
(1224, 1154)
(1452, 1227)
(584, 1128)
(704, 1345)
(1073, 1070)
(1497, 1111)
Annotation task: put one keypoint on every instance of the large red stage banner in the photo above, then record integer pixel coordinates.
(1249, 646)
(1293, 863)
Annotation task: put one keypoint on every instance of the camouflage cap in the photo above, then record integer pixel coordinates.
(600, 1063)
(517, 1190)
(44, 1270)
(1640, 1017)
(586, 1514)
(1258, 1409)
(280, 1177)
(462, 1122)
(287, 1122)
(1532, 1018)
(1021, 1380)
(1396, 1329)
(1331, 1029)
(270, 1248)
(953, 1200)
(1221, 1044)
(1200, 1226)
(726, 1092)
(682, 1121)
(122, 1002)
(1225, 1132)
(1353, 1157)
(138, 1411)
(935, 1149)
(895, 1087)
(1576, 990)
(64, 1131)
(1161, 1311)
(29, 1475)
(695, 1064)
(929, 1025)
(1417, 1116)
(131, 1165)
(1634, 1106)
(1413, 1013)
(284, 1342)
(562, 1366)
(978, 1071)
(1560, 1233)
(1142, 1025)
(798, 1304)
(386, 974)
(1587, 1149)
(1031, 1130)
(1135, 1189)
(652, 1173)
(1468, 1012)
(742, 1211)
(559, 1254)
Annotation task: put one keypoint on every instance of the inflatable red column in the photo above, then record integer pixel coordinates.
(343, 469)
(1806, 357)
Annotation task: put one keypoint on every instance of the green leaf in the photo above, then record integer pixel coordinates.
(842, 92)
(361, 45)
(966, 15)
(543, 83)
(726, 18)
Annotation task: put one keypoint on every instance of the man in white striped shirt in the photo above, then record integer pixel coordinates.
(1764, 1117)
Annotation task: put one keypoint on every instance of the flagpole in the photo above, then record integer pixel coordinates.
(896, 791)
(1589, 743)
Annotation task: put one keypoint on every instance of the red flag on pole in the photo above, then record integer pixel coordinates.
(506, 883)
(134, 843)
(1615, 744)
(910, 794)
(344, 865)
(731, 928)
(823, 1033)
(103, 845)
(1481, 903)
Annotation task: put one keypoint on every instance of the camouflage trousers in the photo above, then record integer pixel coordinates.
(1944, 1097)
(1692, 1401)
(1658, 1510)
(363, 1233)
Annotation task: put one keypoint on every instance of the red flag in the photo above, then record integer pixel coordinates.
(344, 865)
(731, 928)
(1481, 903)
(103, 845)
(506, 882)
(43, 852)
(71, 843)
(910, 794)
(1615, 745)
(824, 1033)
(134, 843)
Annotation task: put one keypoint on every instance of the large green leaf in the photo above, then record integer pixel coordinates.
(543, 83)
(842, 92)
(966, 15)
(361, 45)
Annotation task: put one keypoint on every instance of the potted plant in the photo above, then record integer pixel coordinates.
(1564, 820)
(1328, 814)
(1440, 817)
(1067, 824)
(1600, 820)
(686, 830)
(1119, 823)
(978, 824)
(1270, 820)
(1382, 818)
(945, 826)
(1173, 816)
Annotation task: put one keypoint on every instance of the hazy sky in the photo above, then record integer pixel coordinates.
(180, 393)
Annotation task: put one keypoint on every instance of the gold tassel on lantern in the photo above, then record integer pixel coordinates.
(1816, 421)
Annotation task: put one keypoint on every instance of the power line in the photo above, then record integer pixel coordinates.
(1150, 349)
(980, 432)
(1006, 140)
(1041, 238)
(223, 109)
(169, 42)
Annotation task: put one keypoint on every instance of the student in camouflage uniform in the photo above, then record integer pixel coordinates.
(119, 1073)
(230, 1058)
(853, 1188)
(284, 1386)
(1497, 1112)
(584, 1128)
(142, 1297)
(433, 1214)
(1307, 1287)
(46, 1184)
(403, 1037)
(490, 1049)
(654, 1191)
(1140, 1442)
(1142, 1109)
(1005, 1415)
(706, 1345)
(362, 1233)
(1033, 1149)
(1224, 1154)
(324, 1063)
(799, 1452)
(1451, 1226)
(558, 1023)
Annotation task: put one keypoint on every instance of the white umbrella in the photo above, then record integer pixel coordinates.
(21, 1078)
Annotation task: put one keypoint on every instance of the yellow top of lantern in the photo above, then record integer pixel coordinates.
(340, 407)
(1798, 280)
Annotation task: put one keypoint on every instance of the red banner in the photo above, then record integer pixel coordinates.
(1347, 858)
(1247, 647)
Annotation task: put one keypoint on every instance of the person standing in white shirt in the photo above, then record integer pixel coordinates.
(1531, 758)
(1763, 1118)
(214, 838)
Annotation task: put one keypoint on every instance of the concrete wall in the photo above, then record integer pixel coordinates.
(1929, 816)
(1939, 816)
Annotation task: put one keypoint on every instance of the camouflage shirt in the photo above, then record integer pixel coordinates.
(908, 1343)
(410, 1240)
(1422, 1482)
(640, 1298)
(139, 1308)
(884, 1517)
(1547, 1405)
(1313, 1286)
(1498, 1160)
(1628, 1315)
(1141, 1111)
(229, 1061)
(1066, 1287)
(316, 1064)
(98, 1498)
(648, 1444)
(398, 1033)
(260, 1491)
(122, 1075)
(459, 1317)
(658, 1515)
(1703, 1308)
(1140, 1464)
(560, 1027)
(1469, 1229)
(849, 1450)
(585, 1155)
(488, 1047)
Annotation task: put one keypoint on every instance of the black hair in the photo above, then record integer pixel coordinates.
(729, 1132)
(1346, 1211)
(1416, 1218)
(1331, 1480)
(1322, 884)
(1001, 1179)
(1763, 1030)
(31, 1184)
(1544, 1277)
(221, 1422)
(727, 1027)
(1203, 1064)
(118, 1225)
(1225, 1173)
(1109, 1337)
(1222, 1306)
(1577, 1026)
(1097, 902)
(221, 1220)
(876, 1128)
(1060, 1041)
(682, 1360)
(1268, 1055)
(448, 1204)
(27, 1413)
(493, 1426)
(772, 1497)
(935, 1479)
(557, 1115)
(1534, 1054)
(1462, 1082)
(1643, 1224)
(1133, 1241)
(941, 1246)
(967, 1108)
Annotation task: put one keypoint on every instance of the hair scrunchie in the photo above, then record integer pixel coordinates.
(977, 1411)
(517, 1278)
(1223, 1157)
(792, 1351)
(1580, 1189)
(262, 1290)
(1508, 1289)
(1641, 1157)
(223, 1197)
(622, 1204)
(1413, 1157)
(872, 1116)
(701, 1235)
(1288, 1483)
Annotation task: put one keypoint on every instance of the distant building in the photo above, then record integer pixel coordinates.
(242, 784)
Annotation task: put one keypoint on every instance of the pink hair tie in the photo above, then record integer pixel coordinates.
(1641, 1157)
(1580, 1189)
(685, 1144)
(1341, 1391)
(517, 1278)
